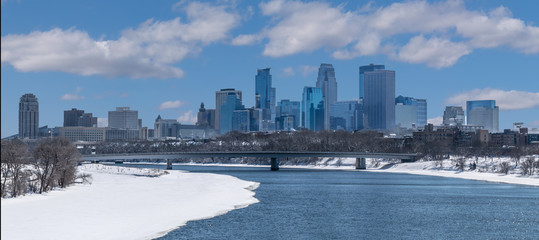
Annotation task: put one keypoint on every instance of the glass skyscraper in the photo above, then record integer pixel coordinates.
(483, 113)
(220, 98)
(328, 83)
(312, 109)
(379, 101)
(28, 116)
(420, 119)
(123, 118)
(288, 113)
(362, 70)
(453, 116)
(227, 108)
(265, 95)
(346, 115)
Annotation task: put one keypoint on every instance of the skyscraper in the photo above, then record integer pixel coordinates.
(420, 118)
(288, 115)
(346, 115)
(123, 118)
(379, 101)
(220, 98)
(87, 120)
(453, 116)
(362, 70)
(483, 113)
(71, 117)
(28, 117)
(312, 109)
(265, 95)
(231, 104)
(328, 83)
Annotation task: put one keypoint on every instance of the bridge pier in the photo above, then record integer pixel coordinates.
(274, 164)
(169, 164)
(361, 163)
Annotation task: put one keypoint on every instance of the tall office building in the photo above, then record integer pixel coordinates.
(124, 118)
(288, 115)
(328, 83)
(453, 116)
(71, 117)
(265, 94)
(312, 109)
(205, 117)
(346, 115)
(362, 70)
(28, 117)
(164, 128)
(220, 98)
(240, 120)
(87, 120)
(231, 104)
(379, 101)
(483, 113)
(403, 109)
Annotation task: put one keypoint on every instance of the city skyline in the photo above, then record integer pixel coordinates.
(174, 85)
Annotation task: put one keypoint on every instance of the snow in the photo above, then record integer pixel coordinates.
(124, 203)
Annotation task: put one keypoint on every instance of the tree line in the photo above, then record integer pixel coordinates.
(50, 164)
(324, 141)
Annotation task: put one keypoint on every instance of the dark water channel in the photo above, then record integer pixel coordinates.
(322, 204)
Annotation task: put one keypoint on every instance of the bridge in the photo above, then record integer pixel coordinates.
(272, 155)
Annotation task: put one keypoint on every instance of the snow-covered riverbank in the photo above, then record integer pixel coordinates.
(124, 203)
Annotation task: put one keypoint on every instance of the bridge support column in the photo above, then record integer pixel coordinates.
(361, 163)
(169, 164)
(274, 164)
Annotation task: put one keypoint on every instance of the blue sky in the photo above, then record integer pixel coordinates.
(165, 57)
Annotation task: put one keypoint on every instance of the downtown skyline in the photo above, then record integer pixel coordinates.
(155, 82)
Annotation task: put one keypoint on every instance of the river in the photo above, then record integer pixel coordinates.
(326, 204)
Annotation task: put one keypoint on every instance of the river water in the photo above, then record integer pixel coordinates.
(325, 204)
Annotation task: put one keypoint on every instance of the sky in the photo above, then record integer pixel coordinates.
(166, 57)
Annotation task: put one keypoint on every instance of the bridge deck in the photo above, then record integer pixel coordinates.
(265, 154)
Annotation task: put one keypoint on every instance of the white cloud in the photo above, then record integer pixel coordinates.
(435, 121)
(187, 118)
(171, 104)
(102, 122)
(306, 69)
(73, 96)
(289, 71)
(245, 39)
(149, 51)
(506, 100)
(434, 52)
(437, 34)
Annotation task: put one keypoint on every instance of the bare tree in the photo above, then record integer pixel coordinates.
(14, 157)
(504, 167)
(55, 163)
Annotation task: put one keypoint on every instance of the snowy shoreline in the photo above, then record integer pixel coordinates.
(417, 168)
(124, 203)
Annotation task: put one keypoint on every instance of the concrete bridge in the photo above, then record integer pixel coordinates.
(272, 155)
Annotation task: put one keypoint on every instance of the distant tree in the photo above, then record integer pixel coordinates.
(55, 161)
(460, 163)
(504, 167)
(528, 166)
(14, 159)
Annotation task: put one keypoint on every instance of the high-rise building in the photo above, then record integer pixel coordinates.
(362, 70)
(255, 119)
(288, 115)
(28, 117)
(205, 117)
(483, 113)
(240, 120)
(453, 116)
(312, 109)
(220, 98)
(164, 128)
(328, 83)
(71, 117)
(346, 115)
(231, 104)
(87, 120)
(420, 120)
(123, 118)
(379, 101)
(265, 95)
